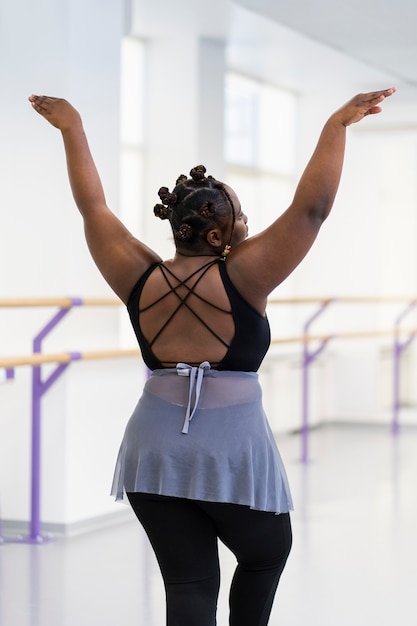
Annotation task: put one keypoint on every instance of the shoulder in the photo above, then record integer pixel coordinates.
(241, 273)
(136, 291)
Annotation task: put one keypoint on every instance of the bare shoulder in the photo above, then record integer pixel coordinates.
(262, 262)
(121, 258)
(244, 269)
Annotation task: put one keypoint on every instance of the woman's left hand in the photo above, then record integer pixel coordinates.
(362, 105)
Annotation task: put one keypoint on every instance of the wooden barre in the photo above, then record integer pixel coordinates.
(63, 303)
(66, 302)
(346, 335)
(67, 357)
(347, 300)
(64, 357)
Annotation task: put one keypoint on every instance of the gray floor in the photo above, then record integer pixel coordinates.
(353, 562)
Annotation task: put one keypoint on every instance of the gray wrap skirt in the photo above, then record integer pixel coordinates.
(202, 434)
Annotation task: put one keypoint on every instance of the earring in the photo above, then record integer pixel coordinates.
(226, 251)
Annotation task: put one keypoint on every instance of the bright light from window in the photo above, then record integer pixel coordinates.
(260, 147)
(241, 118)
(131, 131)
(259, 125)
(276, 128)
(131, 86)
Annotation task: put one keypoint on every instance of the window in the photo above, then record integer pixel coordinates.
(259, 125)
(131, 86)
(131, 130)
(260, 149)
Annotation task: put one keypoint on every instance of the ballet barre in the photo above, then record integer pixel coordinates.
(306, 339)
(62, 303)
(345, 300)
(65, 357)
(39, 388)
(40, 385)
(309, 355)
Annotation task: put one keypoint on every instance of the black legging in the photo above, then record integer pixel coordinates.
(184, 534)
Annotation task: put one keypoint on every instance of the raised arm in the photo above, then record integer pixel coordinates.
(262, 262)
(120, 257)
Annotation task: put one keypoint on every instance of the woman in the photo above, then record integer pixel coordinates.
(198, 461)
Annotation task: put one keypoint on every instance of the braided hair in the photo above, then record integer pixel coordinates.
(196, 205)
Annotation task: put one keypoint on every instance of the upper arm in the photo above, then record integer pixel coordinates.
(120, 257)
(263, 261)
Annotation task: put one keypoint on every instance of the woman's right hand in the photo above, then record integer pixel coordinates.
(57, 111)
(120, 257)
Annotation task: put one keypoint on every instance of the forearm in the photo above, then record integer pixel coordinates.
(317, 188)
(84, 179)
(83, 176)
(318, 185)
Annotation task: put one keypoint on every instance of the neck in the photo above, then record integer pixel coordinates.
(191, 254)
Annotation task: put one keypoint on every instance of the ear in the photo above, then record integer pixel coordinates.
(214, 238)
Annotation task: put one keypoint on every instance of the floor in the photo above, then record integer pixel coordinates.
(353, 561)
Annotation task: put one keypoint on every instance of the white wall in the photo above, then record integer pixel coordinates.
(71, 49)
(367, 248)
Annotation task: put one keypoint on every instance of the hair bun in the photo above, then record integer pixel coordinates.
(198, 173)
(181, 179)
(184, 233)
(207, 210)
(167, 197)
(161, 211)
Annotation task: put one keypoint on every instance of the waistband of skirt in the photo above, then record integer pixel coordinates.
(211, 373)
(195, 376)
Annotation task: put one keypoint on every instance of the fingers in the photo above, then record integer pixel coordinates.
(362, 105)
(374, 97)
(367, 103)
(40, 103)
(57, 111)
(388, 92)
(381, 93)
(34, 98)
(38, 100)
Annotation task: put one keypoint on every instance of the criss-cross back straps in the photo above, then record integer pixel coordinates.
(183, 300)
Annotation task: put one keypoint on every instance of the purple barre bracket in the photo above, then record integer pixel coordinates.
(39, 388)
(309, 356)
(399, 347)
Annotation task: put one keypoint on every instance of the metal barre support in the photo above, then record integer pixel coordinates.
(399, 347)
(8, 373)
(308, 357)
(39, 388)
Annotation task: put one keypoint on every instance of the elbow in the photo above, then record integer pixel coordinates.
(318, 212)
(320, 206)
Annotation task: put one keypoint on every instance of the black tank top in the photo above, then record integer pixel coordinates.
(251, 338)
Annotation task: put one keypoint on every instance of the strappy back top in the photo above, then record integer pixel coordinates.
(251, 337)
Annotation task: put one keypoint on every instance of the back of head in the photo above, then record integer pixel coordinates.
(194, 207)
